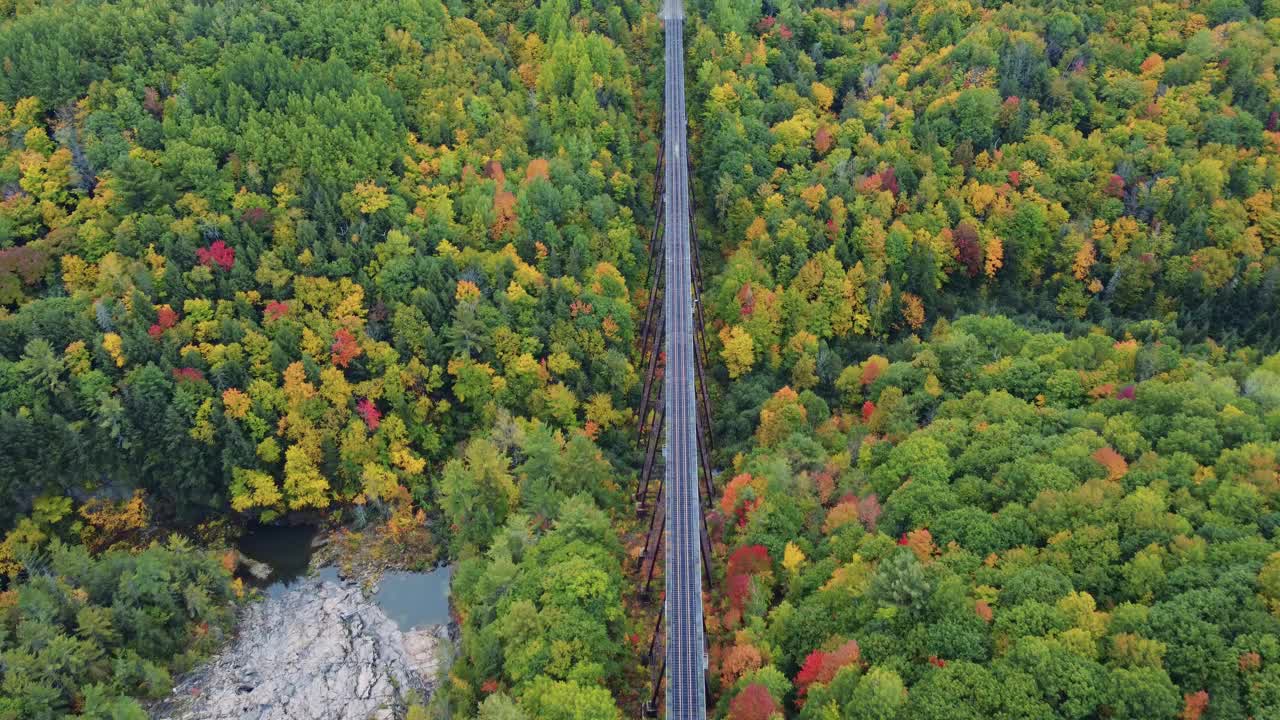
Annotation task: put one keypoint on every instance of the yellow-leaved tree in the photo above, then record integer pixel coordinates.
(738, 350)
(304, 486)
(995, 256)
(254, 489)
(822, 95)
(792, 558)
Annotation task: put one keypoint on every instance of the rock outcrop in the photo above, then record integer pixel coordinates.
(318, 651)
(258, 570)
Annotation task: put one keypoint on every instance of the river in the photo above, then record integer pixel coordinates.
(316, 647)
(412, 599)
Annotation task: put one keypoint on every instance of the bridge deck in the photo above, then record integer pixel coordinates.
(686, 648)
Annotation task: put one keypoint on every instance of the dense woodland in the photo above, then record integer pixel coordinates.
(992, 302)
(931, 514)
(1083, 528)
(358, 262)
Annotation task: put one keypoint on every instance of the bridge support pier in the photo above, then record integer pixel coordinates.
(646, 394)
(650, 455)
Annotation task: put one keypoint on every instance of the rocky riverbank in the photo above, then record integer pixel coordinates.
(317, 651)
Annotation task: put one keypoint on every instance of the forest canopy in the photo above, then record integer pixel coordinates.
(1062, 506)
(335, 262)
(991, 301)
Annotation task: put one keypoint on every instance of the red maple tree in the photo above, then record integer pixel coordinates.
(218, 253)
(369, 411)
(187, 374)
(753, 703)
(276, 310)
(749, 560)
(821, 667)
(165, 319)
(1115, 186)
(968, 248)
(822, 140)
(1196, 703)
(869, 511)
(344, 348)
(738, 589)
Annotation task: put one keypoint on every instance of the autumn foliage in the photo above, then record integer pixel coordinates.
(369, 413)
(188, 374)
(983, 610)
(868, 409)
(753, 703)
(344, 348)
(1113, 461)
(821, 667)
(871, 369)
(737, 661)
(843, 513)
(109, 523)
(749, 560)
(166, 318)
(218, 254)
(744, 565)
(869, 511)
(275, 310)
(1194, 705)
(968, 247)
(741, 495)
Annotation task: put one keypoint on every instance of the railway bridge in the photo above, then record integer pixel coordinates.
(678, 418)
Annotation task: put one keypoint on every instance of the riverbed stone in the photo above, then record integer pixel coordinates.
(318, 651)
(258, 570)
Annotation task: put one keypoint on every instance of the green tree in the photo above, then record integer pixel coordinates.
(554, 700)
(880, 695)
(1142, 693)
(476, 493)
